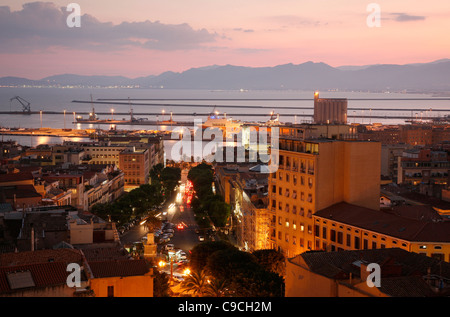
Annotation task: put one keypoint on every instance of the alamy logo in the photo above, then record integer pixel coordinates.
(374, 18)
(374, 278)
(74, 19)
(74, 278)
(227, 145)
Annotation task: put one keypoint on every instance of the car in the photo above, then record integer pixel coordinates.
(201, 238)
(168, 231)
(169, 246)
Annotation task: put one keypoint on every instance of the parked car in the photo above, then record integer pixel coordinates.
(169, 246)
(201, 238)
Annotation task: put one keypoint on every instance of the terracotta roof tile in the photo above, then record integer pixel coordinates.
(43, 274)
(118, 268)
(40, 256)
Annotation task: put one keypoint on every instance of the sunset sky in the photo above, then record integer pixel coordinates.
(136, 38)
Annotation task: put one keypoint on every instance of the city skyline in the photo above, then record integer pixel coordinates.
(140, 39)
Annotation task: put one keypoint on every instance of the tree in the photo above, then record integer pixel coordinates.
(218, 288)
(245, 275)
(271, 260)
(161, 286)
(201, 252)
(195, 283)
(170, 176)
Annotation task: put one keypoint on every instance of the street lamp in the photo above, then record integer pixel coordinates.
(187, 271)
(162, 112)
(112, 114)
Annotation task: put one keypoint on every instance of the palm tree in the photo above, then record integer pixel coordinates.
(218, 288)
(196, 283)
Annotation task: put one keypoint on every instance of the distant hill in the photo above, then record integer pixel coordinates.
(434, 76)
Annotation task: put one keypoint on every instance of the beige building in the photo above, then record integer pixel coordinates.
(330, 111)
(135, 163)
(316, 174)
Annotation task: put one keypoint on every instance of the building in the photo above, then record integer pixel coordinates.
(418, 229)
(40, 273)
(105, 271)
(423, 165)
(313, 175)
(135, 163)
(345, 274)
(389, 159)
(329, 111)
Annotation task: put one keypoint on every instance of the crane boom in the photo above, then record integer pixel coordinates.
(26, 106)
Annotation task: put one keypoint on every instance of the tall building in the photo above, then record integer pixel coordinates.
(330, 111)
(135, 163)
(315, 174)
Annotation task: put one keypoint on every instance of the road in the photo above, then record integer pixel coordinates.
(184, 239)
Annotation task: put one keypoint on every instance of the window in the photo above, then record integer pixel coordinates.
(349, 240)
(340, 237)
(333, 235)
(317, 230)
(324, 232)
(357, 243)
(110, 291)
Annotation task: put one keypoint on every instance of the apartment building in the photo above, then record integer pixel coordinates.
(313, 175)
(418, 229)
(135, 163)
(423, 165)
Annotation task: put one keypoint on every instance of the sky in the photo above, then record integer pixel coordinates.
(137, 38)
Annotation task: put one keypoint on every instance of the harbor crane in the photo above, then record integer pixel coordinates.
(26, 106)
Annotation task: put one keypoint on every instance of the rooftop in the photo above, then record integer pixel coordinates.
(386, 223)
(403, 273)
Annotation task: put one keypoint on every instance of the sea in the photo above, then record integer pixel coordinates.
(294, 106)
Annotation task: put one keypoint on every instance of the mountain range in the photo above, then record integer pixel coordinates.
(420, 77)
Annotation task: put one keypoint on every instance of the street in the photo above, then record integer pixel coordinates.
(178, 212)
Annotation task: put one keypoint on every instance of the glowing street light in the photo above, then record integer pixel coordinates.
(112, 114)
(187, 271)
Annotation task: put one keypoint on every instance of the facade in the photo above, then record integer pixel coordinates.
(417, 229)
(329, 111)
(422, 165)
(135, 163)
(245, 189)
(389, 159)
(313, 175)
